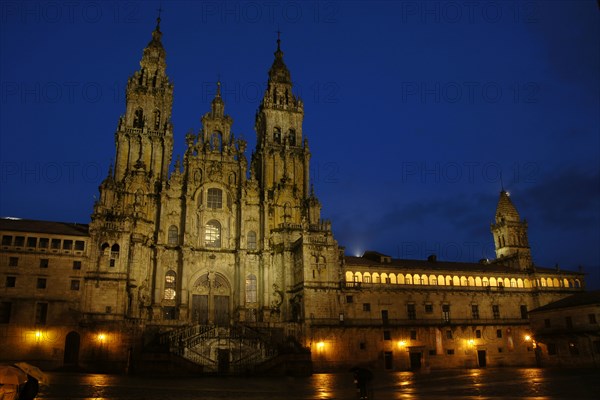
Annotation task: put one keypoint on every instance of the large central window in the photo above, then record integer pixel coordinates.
(212, 234)
(214, 198)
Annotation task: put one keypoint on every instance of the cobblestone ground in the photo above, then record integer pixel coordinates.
(522, 383)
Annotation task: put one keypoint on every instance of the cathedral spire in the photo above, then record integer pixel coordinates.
(217, 105)
(279, 72)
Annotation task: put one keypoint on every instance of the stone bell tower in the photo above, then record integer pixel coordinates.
(124, 221)
(510, 235)
(281, 161)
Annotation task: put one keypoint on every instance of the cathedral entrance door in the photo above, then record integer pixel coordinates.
(200, 309)
(222, 310)
(211, 294)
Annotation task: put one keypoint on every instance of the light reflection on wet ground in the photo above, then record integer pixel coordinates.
(506, 383)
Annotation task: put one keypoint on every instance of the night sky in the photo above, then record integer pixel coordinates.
(416, 112)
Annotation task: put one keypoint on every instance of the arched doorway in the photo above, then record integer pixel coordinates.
(211, 300)
(72, 348)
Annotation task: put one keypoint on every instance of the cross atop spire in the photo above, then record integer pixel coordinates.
(278, 40)
(159, 9)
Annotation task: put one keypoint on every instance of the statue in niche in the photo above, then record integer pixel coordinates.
(143, 299)
(277, 300)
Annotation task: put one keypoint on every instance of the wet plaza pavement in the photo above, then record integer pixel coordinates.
(505, 383)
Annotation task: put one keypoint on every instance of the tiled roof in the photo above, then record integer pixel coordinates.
(578, 299)
(49, 227)
(443, 265)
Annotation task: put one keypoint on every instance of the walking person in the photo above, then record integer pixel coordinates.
(362, 377)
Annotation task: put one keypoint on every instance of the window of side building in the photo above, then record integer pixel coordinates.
(31, 242)
(44, 262)
(44, 243)
(5, 311)
(19, 241)
(13, 261)
(11, 281)
(475, 311)
(524, 313)
(76, 264)
(496, 311)
(41, 283)
(55, 244)
(411, 311)
(79, 245)
(7, 240)
(41, 313)
(74, 284)
(446, 312)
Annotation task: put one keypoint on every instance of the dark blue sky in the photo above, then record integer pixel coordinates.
(413, 110)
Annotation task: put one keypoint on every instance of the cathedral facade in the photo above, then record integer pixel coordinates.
(224, 260)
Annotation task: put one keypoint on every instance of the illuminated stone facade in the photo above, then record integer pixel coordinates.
(220, 242)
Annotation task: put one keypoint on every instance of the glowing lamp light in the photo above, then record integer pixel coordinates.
(320, 345)
(402, 343)
(527, 338)
(101, 337)
(471, 342)
(38, 336)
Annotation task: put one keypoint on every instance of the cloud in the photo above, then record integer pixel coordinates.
(569, 200)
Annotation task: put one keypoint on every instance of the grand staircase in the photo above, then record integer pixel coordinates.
(233, 350)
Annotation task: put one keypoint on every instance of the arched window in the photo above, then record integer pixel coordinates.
(485, 282)
(357, 277)
(424, 280)
(138, 118)
(349, 277)
(432, 280)
(114, 254)
(392, 279)
(513, 282)
(170, 285)
(416, 279)
(173, 237)
(251, 240)
(212, 234)
(408, 279)
(367, 277)
(400, 279)
(471, 281)
(104, 247)
(292, 137)
(376, 278)
(441, 280)
(251, 289)
(214, 198)
(277, 135)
